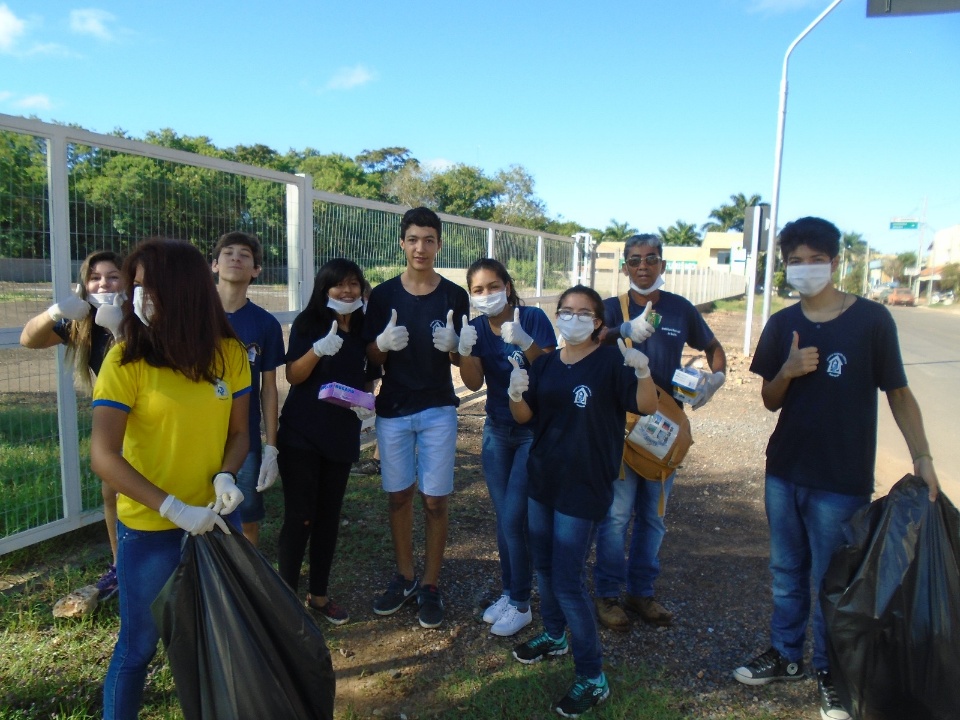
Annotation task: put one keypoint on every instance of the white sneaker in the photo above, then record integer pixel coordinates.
(511, 621)
(493, 613)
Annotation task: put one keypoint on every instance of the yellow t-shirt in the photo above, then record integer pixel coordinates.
(176, 428)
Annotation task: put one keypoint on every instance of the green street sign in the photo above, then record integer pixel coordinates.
(904, 225)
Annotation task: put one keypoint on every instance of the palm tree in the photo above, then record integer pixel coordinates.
(730, 217)
(617, 231)
(680, 234)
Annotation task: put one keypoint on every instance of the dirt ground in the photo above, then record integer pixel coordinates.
(714, 578)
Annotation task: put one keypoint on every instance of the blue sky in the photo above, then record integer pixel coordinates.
(644, 111)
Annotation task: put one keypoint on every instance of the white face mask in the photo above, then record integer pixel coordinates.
(809, 280)
(490, 305)
(657, 284)
(575, 330)
(143, 306)
(344, 308)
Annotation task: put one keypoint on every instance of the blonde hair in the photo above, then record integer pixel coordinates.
(80, 338)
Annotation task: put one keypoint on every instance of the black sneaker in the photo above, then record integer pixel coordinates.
(768, 667)
(540, 647)
(431, 606)
(830, 707)
(398, 592)
(582, 696)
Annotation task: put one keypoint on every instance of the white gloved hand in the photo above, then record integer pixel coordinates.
(519, 381)
(635, 359)
(710, 386)
(269, 469)
(638, 329)
(394, 337)
(228, 494)
(445, 338)
(362, 413)
(70, 308)
(468, 337)
(195, 520)
(329, 344)
(109, 316)
(513, 334)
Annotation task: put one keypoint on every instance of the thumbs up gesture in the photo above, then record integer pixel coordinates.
(635, 359)
(445, 337)
(72, 307)
(109, 315)
(800, 361)
(468, 337)
(513, 334)
(394, 337)
(638, 329)
(329, 344)
(519, 381)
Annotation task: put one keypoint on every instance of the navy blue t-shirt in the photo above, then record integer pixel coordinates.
(495, 354)
(826, 435)
(308, 422)
(680, 324)
(418, 377)
(100, 341)
(579, 416)
(262, 336)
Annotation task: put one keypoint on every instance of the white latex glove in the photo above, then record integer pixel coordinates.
(362, 413)
(70, 308)
(468, 337)
(513, 334)
(329, 344)
(445, 338)
(195, 520)
(710, 386)
(228, 494)
(638, 329)
(519, 381)
(109, 316)
(635, 359)
(394, 337)
(269, 470)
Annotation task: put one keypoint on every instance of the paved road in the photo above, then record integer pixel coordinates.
(930, 344)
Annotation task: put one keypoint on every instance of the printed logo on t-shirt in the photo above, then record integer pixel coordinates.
(519, 358)
(438, 325)
(253, 350)
(835, 363)
(220, 388)
(581, 393)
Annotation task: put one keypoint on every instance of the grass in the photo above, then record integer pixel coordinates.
(776, 303)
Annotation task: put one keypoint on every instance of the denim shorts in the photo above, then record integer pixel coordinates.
(251, 509)
(419, 448)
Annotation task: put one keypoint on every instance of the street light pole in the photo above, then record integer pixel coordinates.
(778, 158)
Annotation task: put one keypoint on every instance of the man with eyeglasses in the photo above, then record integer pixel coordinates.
(678, 323)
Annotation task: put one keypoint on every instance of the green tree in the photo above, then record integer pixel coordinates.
(896, 267)
(339, 174)
(464, 190)
(517, 204)
(617, 231)
(680, 234)
(730, 216)
(950, 277)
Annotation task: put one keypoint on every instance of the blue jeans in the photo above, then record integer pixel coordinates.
(145, 561)
(251, 510)
(806, 527)
(559, 545)
(631, 496)
(504, 459)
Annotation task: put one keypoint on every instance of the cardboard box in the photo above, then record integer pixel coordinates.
(346, 396)
(688, 384)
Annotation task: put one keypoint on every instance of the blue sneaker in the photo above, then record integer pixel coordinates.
(582, 696)
(540, 647)
(398, 593)
(108, 585)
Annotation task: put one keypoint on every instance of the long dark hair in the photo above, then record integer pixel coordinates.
(80, 343)
(316, 318)
(188, 323)
(498, 269)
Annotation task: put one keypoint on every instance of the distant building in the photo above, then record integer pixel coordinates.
(946, 246)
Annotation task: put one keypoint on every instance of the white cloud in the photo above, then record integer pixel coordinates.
(347, 78)
(5, 95)
(777, 7)
(34, 102)
(438, 165)
(91, 21)
(11, 28)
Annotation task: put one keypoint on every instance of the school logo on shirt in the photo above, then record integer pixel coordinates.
(220, 388)
(438, 325)
(519, 357)
(581, 393)
(835, 363)
(253, 351)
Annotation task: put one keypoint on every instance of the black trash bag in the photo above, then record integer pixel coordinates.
(891, 601)
(240, 643)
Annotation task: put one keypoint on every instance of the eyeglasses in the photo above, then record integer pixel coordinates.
(567, 315)
(650, 260)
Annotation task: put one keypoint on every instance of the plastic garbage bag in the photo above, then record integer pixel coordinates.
(891, 601)
(240, 643)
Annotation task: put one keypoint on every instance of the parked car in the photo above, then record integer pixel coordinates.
(881, 295)
(900, 296)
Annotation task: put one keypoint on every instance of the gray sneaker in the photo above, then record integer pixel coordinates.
(830, 707)
(767, 667)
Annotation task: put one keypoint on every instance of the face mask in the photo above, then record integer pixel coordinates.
(344, 308)
(809, 280)
(657, 284)
(142, 305)
(575, 330)
(98, 299)
(489, 305)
